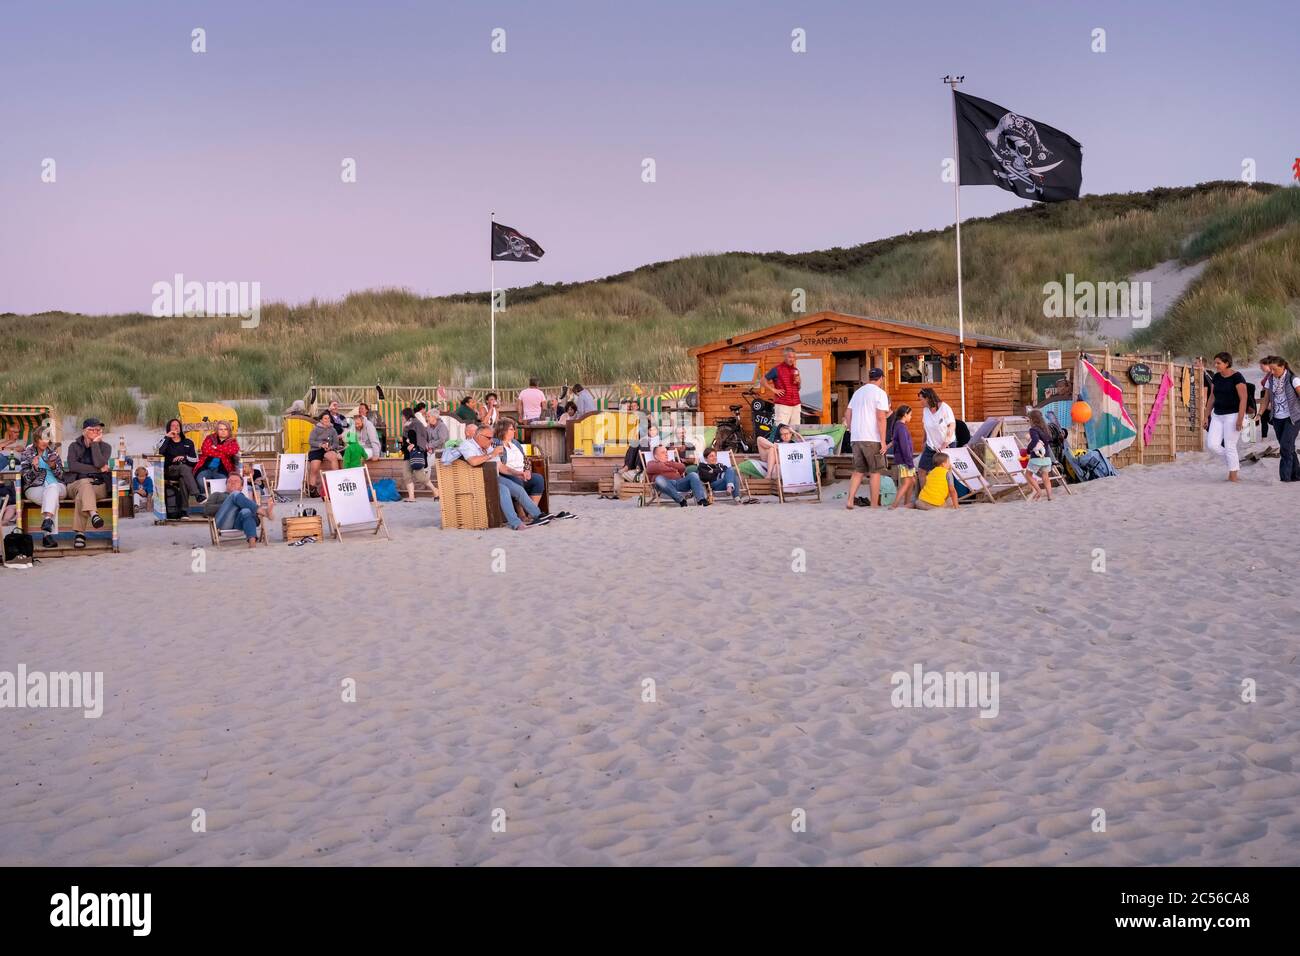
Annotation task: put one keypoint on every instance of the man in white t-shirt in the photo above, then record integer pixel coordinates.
(940, 429)
(865, 419)
(531, 401)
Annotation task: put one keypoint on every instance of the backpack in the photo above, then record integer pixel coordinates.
(19, 544)
(1093, 464)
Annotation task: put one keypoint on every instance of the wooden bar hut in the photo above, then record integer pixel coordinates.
(835, 351)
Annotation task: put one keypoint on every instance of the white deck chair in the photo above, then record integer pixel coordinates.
(290, 475)
(797, 473)
(650, 494)
(351, 502)
(1004, 471)
(232, 534)
(962, 467)
(727, 461)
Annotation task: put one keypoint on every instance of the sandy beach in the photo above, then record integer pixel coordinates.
(522, 690)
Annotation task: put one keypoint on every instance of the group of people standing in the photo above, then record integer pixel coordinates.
(1229, 400)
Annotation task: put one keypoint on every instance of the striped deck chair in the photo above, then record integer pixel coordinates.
(1006, 460)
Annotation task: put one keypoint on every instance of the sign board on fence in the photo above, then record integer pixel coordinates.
(796, 461)
(1054, 358)
(349, 496)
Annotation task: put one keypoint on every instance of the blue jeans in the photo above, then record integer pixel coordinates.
(728, 478)
(238, 511)
(208, 471)
(674, 488)
(1286, 430)
(533, 485)
(511, 492)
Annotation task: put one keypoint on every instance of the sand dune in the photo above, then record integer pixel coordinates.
(523, 690)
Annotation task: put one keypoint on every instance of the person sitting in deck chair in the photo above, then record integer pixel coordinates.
(478, 451)
(234, 509)
(42, 478)
(720, 477)
(670, 477)
(88, 458)
(767, 447)
(219, 454)
(180, 461)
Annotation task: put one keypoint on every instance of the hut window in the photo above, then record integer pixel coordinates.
(919, 367)
(737, 373)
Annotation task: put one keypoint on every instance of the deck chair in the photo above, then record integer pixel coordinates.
(233, 534)
(213, 484)
(1054, 472)
(798, 475)
(351, 503)
(726, 460)
(1002, 466)
(290, 475)
(962, 467)
(650, 494)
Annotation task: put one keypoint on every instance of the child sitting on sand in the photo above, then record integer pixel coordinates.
(901, 440)
(938, 490)
(142, 488)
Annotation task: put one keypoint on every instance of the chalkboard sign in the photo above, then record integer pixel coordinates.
(1139, 374)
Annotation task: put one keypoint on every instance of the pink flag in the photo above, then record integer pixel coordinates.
(1149, 428)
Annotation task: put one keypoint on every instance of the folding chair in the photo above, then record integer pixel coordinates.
(1054, 472)
(727, 461)
(232, 534)
(650, 494)
(351, 503)
(290, 475)
(1003, 466)
(797, 474)
(964, 469)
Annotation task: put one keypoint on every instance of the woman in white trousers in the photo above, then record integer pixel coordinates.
(1225, 412)
(42, 474)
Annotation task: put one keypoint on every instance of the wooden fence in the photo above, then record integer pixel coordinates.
(1178, 426)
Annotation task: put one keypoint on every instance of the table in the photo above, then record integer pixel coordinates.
(547, 438)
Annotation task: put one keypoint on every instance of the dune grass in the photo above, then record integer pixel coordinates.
(638, 326)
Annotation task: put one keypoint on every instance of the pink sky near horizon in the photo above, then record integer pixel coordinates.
(224, 166)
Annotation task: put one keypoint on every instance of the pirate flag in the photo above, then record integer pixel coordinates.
(511, 245)
(1023, 156)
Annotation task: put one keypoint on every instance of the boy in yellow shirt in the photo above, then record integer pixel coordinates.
(938, 490)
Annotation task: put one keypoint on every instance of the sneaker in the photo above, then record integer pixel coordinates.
(96, 521)
(49, 542)
(704, 503)
(682, 503)
(199, 499)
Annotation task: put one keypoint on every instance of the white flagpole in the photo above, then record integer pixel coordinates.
(492, 305)
(952, 82)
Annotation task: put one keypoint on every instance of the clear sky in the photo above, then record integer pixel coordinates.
(225, 165)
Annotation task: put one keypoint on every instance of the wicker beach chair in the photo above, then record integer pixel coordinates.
(469, 496)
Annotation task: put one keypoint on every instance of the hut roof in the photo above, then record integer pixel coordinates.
(931, 331)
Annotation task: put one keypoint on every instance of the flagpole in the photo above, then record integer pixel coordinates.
(952, 82)
(492, 305)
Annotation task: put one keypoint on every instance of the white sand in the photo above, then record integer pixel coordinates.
(522, 691)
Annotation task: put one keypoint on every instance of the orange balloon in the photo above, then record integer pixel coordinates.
(1080, 412)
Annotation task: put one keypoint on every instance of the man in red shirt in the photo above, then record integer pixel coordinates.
(784, 383)
(671, 478)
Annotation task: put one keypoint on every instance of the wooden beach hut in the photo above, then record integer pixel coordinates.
(835, 351)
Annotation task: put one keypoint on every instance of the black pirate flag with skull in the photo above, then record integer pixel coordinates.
(1001, 148)
(511, 245)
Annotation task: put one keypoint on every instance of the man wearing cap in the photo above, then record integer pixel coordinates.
(784, 382)
(88, 458)
(865, 419)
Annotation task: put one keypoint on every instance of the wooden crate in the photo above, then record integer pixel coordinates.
(1001, 392)
(301, 526)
